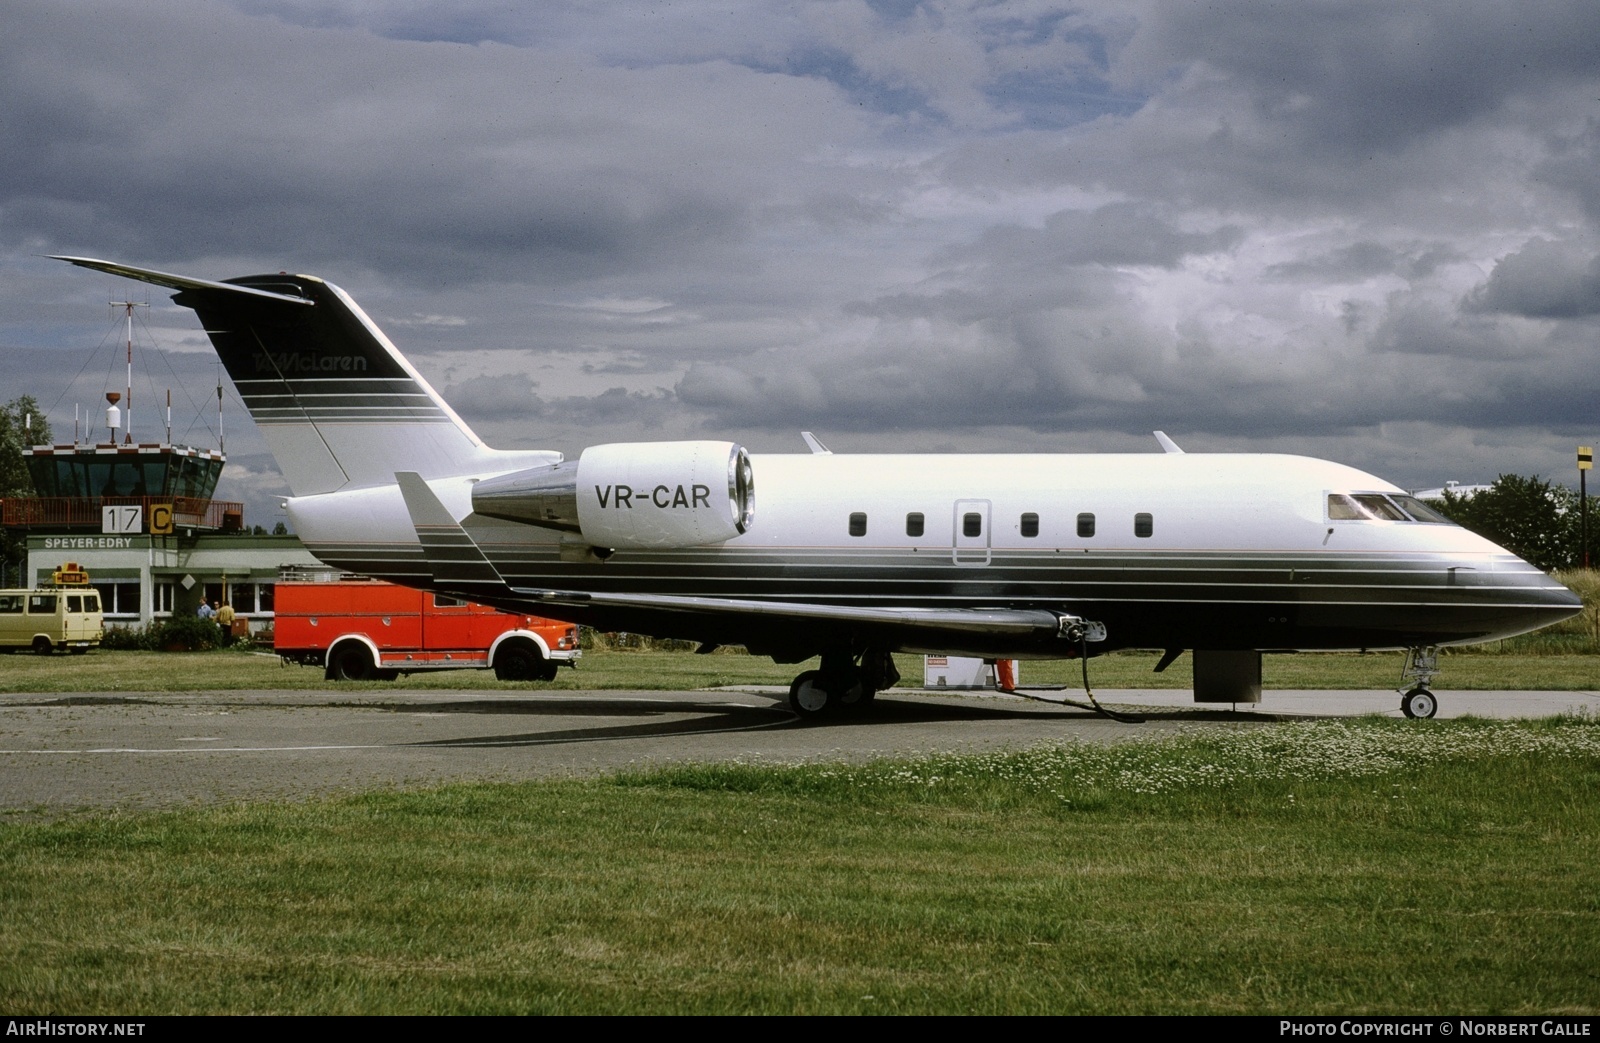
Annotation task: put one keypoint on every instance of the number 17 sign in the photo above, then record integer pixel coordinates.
(123, 518)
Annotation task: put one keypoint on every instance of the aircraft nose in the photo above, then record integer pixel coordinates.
(1532, 598)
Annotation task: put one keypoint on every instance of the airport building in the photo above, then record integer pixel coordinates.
(141, 520)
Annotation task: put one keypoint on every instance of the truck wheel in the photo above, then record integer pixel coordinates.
(519, 662)
(41, 646)
(350, 662)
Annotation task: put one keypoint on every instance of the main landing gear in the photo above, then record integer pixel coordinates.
(1421, 666)
(842, 684)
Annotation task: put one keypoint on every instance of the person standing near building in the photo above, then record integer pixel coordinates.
(207, 610)
(225, 621)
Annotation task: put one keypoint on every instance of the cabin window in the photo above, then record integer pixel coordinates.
(914, 523)
(10, 604)
(42, 604)
(446, 601)
(1030, 525)
(1085, 525)
(1143, 525)
(972, 524)
(91, 603)
(74, 602)
(858, 523)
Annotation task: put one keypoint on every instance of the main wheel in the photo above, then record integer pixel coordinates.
(808, 698)
(351, 662)
(850, 689)
(1419, 703)
(519, 662)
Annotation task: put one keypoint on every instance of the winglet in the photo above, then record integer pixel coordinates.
(815, 444)
(1167, 444)
(456, 561)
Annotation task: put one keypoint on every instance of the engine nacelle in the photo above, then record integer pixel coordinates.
(632, 495)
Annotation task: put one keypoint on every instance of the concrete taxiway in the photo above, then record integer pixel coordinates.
(60, 752)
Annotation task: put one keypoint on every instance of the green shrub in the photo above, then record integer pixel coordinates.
(188, 634)
(130, 638)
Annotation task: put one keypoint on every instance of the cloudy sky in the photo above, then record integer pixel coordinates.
(1367, 231)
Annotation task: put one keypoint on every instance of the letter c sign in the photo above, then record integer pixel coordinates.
(161, 519)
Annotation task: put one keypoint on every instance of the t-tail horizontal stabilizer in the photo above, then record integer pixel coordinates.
(336, 402)
(457, 563)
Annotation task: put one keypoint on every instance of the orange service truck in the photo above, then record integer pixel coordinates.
(361, 629)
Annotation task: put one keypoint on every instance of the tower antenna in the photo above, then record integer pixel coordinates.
(127, 405)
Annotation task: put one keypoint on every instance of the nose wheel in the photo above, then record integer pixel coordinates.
(1419, 703)
(1420, 668)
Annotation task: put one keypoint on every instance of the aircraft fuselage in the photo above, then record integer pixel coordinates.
(1168, 550)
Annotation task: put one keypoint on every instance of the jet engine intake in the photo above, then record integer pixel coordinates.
(632, 495)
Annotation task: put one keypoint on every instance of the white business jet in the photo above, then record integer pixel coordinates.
(851, 557)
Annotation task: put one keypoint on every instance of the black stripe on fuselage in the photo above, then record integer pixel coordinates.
(1227, 599)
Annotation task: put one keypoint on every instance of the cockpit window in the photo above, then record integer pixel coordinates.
(1420, 511)
(1345, 508)
(1381, 507)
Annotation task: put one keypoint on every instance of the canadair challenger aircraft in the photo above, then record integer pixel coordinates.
(848, 558)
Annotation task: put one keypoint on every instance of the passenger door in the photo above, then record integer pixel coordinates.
(970, 532)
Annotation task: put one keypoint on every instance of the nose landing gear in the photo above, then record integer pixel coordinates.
(1419, 702)
(1421, 666)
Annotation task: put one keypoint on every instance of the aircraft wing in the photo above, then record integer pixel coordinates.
(960, 620)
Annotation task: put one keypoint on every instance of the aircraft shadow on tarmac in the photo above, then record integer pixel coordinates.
(712, 718)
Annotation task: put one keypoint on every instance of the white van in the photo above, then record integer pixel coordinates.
(47, 619)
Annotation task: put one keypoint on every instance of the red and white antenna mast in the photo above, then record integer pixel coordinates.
(127, 406)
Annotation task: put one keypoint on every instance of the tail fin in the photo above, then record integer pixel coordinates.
(337, 403)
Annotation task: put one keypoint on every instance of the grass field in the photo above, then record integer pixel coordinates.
(1328, 867)
(1366, 866)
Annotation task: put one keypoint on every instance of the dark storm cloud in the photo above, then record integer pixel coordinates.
(221, 134)
(1573, 165)
(1351, 264)
(1543, 280)
(499, 397)
(1363, 75)
(1256, 224)
(1116, 234)
(514, 397)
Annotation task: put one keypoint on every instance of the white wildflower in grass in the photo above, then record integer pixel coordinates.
(1214, 760)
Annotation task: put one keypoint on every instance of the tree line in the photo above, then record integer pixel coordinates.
(21, 424)
(1537, 520)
